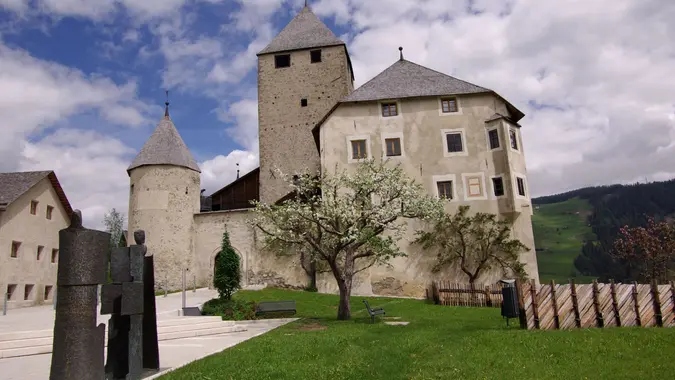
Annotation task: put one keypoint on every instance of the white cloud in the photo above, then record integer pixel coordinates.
(222, 170)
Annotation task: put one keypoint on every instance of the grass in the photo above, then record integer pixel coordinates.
(560, 229)
(441, 342)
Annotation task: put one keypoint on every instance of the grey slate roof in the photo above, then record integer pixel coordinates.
(405, 79)
(13, 185)
(498, 116)
(165, 147)
(305, 31)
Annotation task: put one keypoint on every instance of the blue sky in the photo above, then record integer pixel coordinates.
(82, 81)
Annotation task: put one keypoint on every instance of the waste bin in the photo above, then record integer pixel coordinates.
(510, 300)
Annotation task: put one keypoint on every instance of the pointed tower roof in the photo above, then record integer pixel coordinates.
(165, 147)
(305, 31)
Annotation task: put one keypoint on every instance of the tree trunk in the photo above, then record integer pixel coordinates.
(312, 275)
(344, 310)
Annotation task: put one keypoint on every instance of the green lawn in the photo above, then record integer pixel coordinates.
(560, 231)
(441, 342)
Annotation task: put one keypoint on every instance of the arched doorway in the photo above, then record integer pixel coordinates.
(242, 266)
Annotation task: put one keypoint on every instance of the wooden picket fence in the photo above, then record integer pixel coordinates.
(477, 295)
(553, 306)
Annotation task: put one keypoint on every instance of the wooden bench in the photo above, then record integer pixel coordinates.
(373, 312)
(275, 307)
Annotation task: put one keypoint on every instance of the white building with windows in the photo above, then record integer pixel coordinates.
(460, 140)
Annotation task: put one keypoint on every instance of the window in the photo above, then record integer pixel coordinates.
(40, 248)
(303, 102)
(315, 56)
(33, 207)
(493, 137)
(521, 186)
(389, 109)
(27, 292)
(15, 248)
(55, 255)
(444, 189)
(10, 291)
(474, 186)
(454, 141)
(393, 146)
(449, 105)
(514, 138)
(283, 60)
(498, 186)
(48, 292)
(132, 189)
(359, 149)
(50, 211)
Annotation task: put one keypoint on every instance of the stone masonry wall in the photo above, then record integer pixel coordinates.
(285, 128)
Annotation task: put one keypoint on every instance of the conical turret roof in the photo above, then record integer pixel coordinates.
(165, 147)
(305, 31)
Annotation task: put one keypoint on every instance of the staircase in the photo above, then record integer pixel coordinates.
(37, 342)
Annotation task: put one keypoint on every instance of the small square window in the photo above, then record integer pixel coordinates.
(493, 136)
(498, 186)
(444, 189)
(50, 211)
(359, 149)
(303, 102)
(28, 292)
(315, 56)
(40, 248)
(514, 139)
(521, 186)
(16, 246)
(11, 288)
(393, 146)
(55, 255)
(474, 186)
(389, 109)
(48, 292)
(454, 141)
(449, 105)
(283, 60)
(33, 207)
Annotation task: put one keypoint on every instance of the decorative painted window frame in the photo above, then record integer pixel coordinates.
(504, 177)
(514, 185)
(398, 109)
(465, 150)
(349, 140)
(519, 141)
(440, 106)
(500, 132)
(445, 177)
(390, 135)
(465, 189)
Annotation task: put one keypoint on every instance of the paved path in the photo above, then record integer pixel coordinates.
(172, 353)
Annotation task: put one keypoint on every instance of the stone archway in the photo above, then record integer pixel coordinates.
(242, 266)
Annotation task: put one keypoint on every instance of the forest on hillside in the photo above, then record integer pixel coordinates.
(614, 207)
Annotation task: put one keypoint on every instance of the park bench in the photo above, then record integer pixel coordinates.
(373, 312)
(275, 307)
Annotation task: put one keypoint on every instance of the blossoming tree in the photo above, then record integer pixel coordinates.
(649, 251)
(341, 219)
(476, 243)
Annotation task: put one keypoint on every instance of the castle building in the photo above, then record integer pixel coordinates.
(460, 140)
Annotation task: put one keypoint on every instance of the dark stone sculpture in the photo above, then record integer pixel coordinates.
(77, 352)
(132, 330)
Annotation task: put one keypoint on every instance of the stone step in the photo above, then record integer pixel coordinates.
(40, 341)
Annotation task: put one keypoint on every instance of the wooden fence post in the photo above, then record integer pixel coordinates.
(488, 297)
(635, 304)
(599, 319)
(521, 305)
(656, 301)
(556, 318)
(575, 303)
(535, 307)
(615, 304)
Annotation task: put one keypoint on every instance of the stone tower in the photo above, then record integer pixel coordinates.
(163, 198)
(302, 74)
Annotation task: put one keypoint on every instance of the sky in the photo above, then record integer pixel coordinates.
(82, 82)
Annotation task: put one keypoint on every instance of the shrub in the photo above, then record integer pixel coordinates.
(233, 309)
(227, 276)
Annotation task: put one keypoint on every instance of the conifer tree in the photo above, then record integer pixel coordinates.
(227, 276)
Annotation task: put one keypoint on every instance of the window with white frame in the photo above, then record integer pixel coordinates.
(520, 183)
(392, 146)
(498, 186)
(445, 186)
(494, 142)
(513, 135)
(454, 142)
(449, 105)
(444, 189)
(389, 109)
(358, 148)
(474, 186)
